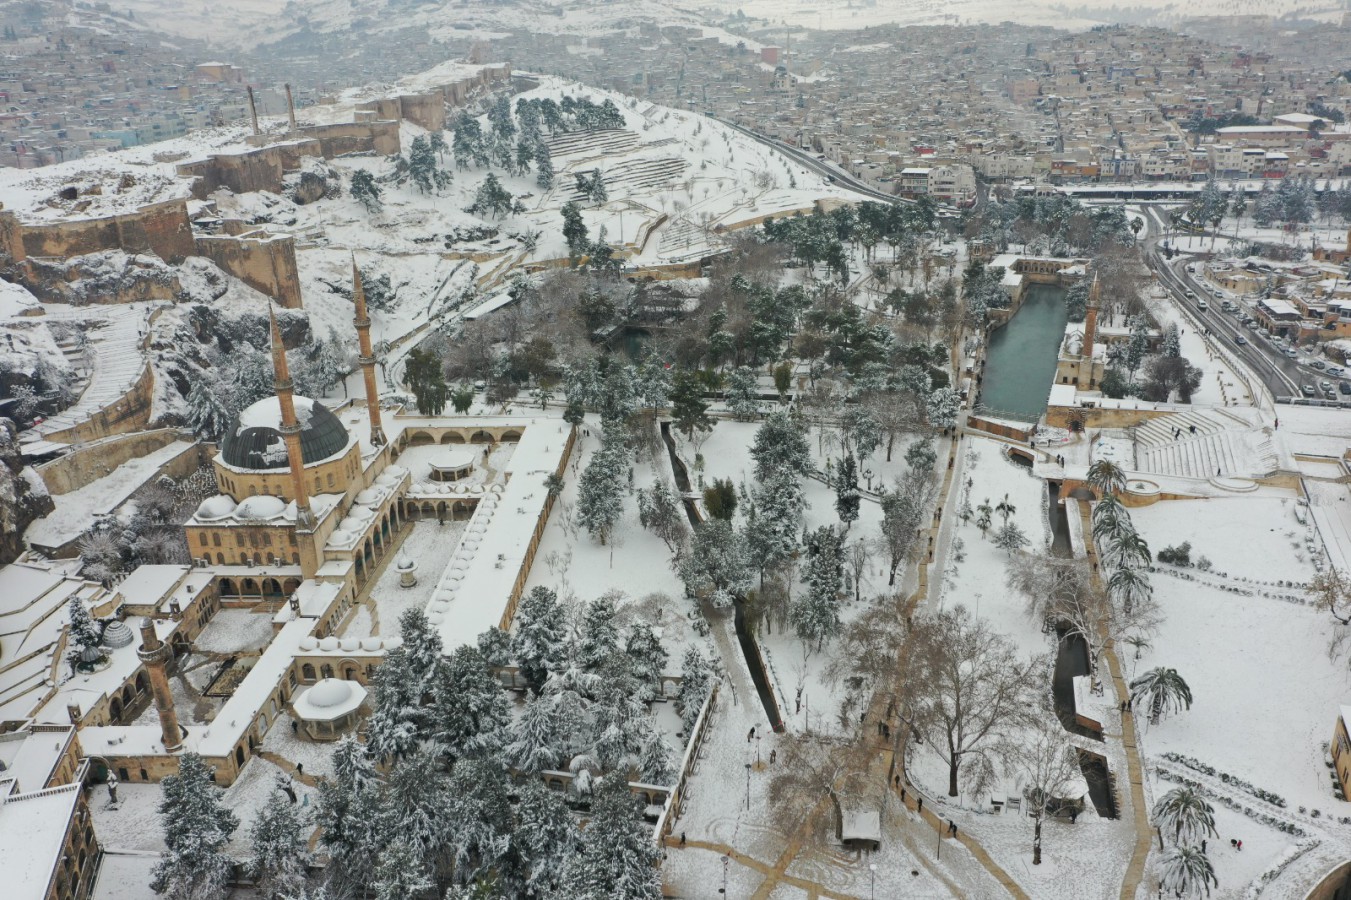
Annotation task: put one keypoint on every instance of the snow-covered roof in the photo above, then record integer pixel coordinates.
(329, 699)
(37, 822)
(30, 757)
(149, 584)
(861, 825)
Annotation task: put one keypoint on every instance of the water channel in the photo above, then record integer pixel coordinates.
(749, 648)
(1021, 357)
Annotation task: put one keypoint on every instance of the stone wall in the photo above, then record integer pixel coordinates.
(265, 262)
(130, 412)
(159, 228)
(89, 463)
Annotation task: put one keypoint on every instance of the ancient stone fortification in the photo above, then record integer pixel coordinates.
(130, 412)
(159, 228)
(265, 262)
(88, 463)
(20, 502)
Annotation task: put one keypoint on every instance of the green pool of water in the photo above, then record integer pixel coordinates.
(1020, 364)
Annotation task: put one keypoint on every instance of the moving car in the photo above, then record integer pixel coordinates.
(1240, 340)
(1344, 387)
(1318, 364)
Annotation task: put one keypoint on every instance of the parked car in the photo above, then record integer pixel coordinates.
(1318, 364)
(1306, 389)
(1344, 387)
(1325, 385)
(1251, 325)
(1334, 371)
(1291, 352)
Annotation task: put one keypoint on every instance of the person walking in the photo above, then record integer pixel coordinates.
(773, 755)
(919, 803)
(682, 838)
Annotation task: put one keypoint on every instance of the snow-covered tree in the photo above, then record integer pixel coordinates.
(280, 851)
(780, 446)
(1172, 341)
(480, 819)
(1126, 551)
(599, 639)
(743, 394)
(1185, 816)
(861, 430)
(718, 564)
(695, 685)
(472, 716)
(689, 410)
(942, 407)
(85, 633)
(196, 829)
(365, 191)
(423, 170)
(402, 872)
(600, 492)
(545, 836)
(1161, 690)
(967, 691)
(1010, 537)
(539, 640)
(495, 645)
(348, 814)
(1137, 348)
(544, 166)
(1106, 477)
(535, 744)
(921, 456)
(662, 513)
(1186, 872)
(816, 612)
(774, 521)
(491, 198)
(1049, 764)
(618, 857)
(416, 803)
(847, 495)
(646, 660)
(656, 762)
(903, 511)
(393, 729)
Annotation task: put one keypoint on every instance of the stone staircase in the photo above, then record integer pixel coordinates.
(1219, 445)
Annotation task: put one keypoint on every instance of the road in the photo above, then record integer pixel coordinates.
(1281, 375)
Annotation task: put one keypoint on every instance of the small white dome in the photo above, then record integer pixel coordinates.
(341, 536)
(329, 693)
(387, 480)
(217, 507)
(309, 643)
(328, 643)
(393, 642)
(370, 643)
(263, 506)
(368, 496)
(436, 618)
(351, 524)
(405, 564)
(350, 643)
(396, 471)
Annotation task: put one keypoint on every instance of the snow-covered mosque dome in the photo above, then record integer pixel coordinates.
(254, 441)
(262, 506)
(217, 507)
(117, 634)
(329, 693)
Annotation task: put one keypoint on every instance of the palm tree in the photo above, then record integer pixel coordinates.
(1163, 691)
(1139, 642)
(1187, 872)
(1106, 477)
(1006, 508)
(1128, 587)
(1111, 519)
(983, 513)
(1126, 551)
(1185, 815)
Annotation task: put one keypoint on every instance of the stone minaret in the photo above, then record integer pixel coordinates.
(290, 109)
(155, 655)
(367, 357)
(1090, 336)
(290, 427)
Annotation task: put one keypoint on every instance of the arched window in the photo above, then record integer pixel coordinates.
(307, 672)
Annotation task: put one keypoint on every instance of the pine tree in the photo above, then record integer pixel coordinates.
(85, 633)
(847, 495)
(472, 713)
(544, 166)
(495, 645)
(545, 835)
(422, 165)
(743, 394)
(574, 232)
(816, 613)
(600, 494)
(424, 376)
(646, 660)
(417, 803)
(395, 725)
(656, 763)
(280, 853)
(196, 829)
(718, 564)
(466, 140)
(209, 411)
(774, 520)
(618, 857)
(688, 409)
(695, 685)
(365, 190)
(481, 821)
(538, 642)
(780, 446)
(599, 635)
(942, 407)
(661, 513)
(421, 645)
(402, 872)
(525, 155)
(1172, 342)
(348, 815)
(535, 744)
(921, 456)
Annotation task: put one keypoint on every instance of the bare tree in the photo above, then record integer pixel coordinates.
(868, 650)
(812, 767)
(967, 691)
(1049, 764)
(857, 558)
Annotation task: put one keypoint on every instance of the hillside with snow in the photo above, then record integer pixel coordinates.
(250, 23)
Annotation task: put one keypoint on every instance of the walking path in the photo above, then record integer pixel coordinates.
(1135, 872)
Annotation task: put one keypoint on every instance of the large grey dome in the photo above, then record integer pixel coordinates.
(253, 440)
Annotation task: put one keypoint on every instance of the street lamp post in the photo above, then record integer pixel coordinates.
(872, 881)
(748, 785)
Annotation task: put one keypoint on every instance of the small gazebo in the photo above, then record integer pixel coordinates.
(329, 707)
(455, 465)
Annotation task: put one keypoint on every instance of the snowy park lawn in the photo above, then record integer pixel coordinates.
(1315, 430)
(635, 562)
(1256, 538)
(980, 582)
